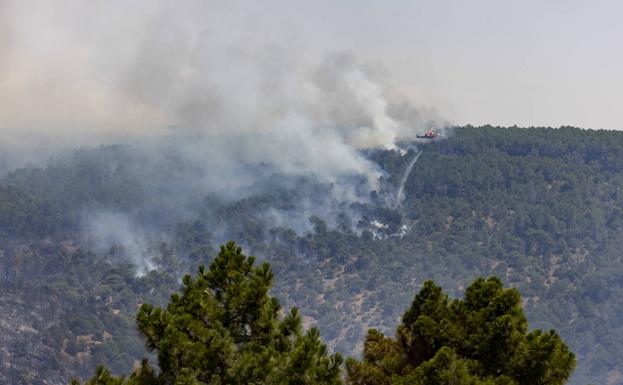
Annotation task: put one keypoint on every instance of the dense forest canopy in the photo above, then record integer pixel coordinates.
(538, 207)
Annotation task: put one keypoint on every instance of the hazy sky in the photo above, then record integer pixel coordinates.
(501, 62)
(114, 65)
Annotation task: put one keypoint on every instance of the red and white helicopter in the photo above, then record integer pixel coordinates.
(430, 134)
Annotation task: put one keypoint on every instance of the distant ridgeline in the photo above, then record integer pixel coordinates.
(540, 208)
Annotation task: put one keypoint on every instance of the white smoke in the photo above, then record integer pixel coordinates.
(226, 87)
(79, 70)
(107, 229)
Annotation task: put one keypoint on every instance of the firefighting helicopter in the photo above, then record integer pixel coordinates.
(430, 134)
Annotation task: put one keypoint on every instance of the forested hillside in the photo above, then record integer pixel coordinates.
(223, 328)
(540, 208)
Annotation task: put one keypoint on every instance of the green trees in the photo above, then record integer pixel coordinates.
(482, 339)
(541, 208)
(223, 328)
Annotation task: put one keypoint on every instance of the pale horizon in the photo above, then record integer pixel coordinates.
(71, 68)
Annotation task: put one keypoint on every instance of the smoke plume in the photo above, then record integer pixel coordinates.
(212, 84)
(113, 68)
(107, 229)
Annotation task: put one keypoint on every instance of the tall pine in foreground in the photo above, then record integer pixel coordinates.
(223, 328)
(482, 339)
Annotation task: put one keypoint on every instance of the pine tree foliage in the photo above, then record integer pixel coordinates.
(482, 339)
(224, 328)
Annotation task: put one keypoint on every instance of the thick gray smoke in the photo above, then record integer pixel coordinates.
(75, 69)
(223, 87)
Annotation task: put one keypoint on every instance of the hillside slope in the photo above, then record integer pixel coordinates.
(540, 208)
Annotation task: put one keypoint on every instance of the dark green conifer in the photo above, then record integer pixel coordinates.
(224, 328)
(481, 339)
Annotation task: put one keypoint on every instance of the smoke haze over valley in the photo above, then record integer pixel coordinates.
(209, 91)
(136, 137)
(75, 74)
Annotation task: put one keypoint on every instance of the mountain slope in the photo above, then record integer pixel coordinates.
(540, 208)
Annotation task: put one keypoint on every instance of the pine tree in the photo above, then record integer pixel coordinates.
(481, 339)
(224, 328)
